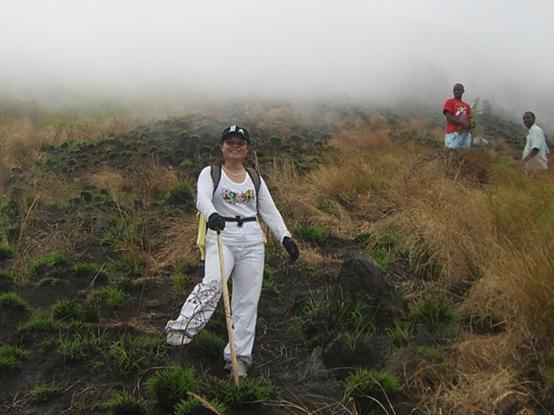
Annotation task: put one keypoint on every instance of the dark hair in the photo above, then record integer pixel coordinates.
(530, 113)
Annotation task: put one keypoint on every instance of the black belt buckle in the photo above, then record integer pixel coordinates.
(240, 220)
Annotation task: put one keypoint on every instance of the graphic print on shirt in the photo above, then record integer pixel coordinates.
(237, 198)
(461, 113)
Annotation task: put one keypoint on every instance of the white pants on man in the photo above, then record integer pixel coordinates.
(245, 265)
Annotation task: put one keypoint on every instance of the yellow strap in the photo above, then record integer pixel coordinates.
(201, 240)
(263, 233)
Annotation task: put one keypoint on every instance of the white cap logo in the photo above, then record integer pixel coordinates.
(232, 128)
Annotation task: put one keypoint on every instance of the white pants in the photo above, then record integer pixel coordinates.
(245, 265)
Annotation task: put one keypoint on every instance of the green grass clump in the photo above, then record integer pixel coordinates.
(66, 309)
(39, 323)
(180, 194)
(48, 265)
(180, 283)
(42, 394)
(193, 406)
(186, 266)
(113, 297)
(313, 233)
(171, 385)
(269, 285)
(134, 354)
(84, 269)
(11, 357)
(125, 403)
(6, 281)
(383, 248)
(329, 206)
(13, 301)
(48, 281)
(430, 353)
(128, 265)
(381, 257)
(186, 164)
(249, 393)
(326, 316)
(208, 344)
(187, 406)
(365, 383)
(6, 252)
(400, 333)
(436, 316)
(81, 343)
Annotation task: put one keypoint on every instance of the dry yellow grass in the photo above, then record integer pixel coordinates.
(477, 376)
(480, 392)
(21, 137)
(20, 143)
(112, 180)
(180, 242)
(481, 221)
(445, 229)
(153, 179)
(518, 287)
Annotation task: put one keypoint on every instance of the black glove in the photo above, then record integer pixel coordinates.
(291, 248)
(216, 222)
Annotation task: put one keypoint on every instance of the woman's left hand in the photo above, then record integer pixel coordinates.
(291, 247)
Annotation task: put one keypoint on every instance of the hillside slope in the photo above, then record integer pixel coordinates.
(400, 302)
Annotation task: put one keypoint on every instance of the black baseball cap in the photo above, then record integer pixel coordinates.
(235, 130)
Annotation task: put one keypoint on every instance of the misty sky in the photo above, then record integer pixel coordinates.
(371, 50)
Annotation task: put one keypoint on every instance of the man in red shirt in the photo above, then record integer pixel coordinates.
(458, 120)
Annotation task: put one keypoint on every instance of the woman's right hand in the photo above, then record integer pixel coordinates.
(216, 222)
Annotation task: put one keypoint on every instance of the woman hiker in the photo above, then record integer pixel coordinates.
(231, 199)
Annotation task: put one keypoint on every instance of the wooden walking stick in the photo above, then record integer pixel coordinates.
(228, 317)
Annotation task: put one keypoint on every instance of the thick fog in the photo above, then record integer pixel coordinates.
(384, 51)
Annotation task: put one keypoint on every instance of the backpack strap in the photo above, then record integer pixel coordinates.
(255, 177)
(215, 171)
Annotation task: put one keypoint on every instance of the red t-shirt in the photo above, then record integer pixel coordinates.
(460, 110)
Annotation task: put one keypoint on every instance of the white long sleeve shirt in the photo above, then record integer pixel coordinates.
(232, 199)
(536, 139)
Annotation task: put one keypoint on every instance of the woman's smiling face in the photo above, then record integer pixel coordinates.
(234, 148)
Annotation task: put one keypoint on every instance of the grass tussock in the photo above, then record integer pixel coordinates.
(445, 227)
(302, 202)
(11, 357)
(42, 394)
(125, 403)
(153, 179)
(458, 388)
(172, 384)
(111, 180)
(179, 239)
(518, 287)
